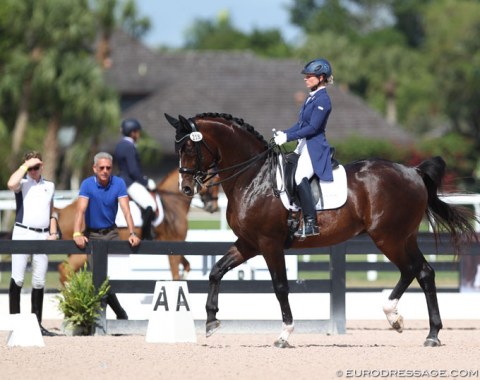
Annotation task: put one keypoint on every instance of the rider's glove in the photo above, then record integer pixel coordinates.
(151, 185)
(280, 138)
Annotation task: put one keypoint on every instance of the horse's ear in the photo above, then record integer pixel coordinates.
(185, 124)
(172, 121)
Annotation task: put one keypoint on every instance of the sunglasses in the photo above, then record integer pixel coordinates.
(108, 168)
(37, 167)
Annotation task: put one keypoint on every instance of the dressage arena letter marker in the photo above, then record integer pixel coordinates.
(162, 294)
(24, 330)
(171, 323)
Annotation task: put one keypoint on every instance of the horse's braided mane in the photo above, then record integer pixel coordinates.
(240, 122)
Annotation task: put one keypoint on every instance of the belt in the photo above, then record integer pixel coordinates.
(32, 228)
(102, 231)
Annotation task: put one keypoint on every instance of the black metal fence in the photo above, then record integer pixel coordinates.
(336, 266)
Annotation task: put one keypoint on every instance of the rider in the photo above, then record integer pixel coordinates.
(313, 148)
(138, 185)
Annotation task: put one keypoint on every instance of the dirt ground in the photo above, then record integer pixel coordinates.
(369, 349)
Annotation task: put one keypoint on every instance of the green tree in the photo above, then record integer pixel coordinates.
(453, 51)
(220, 34)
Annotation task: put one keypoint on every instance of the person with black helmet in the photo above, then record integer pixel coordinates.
(130, 169)
(313, 147)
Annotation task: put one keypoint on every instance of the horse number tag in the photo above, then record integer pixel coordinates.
(196, 136)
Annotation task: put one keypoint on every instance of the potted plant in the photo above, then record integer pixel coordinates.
(80, 302)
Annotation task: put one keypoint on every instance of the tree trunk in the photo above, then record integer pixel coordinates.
(21, 123)
(390, 94)
(102, 53)
(50, 147)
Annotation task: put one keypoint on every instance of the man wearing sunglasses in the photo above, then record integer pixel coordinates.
(97, 208)
(33, 221)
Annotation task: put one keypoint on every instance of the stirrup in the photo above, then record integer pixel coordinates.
(307, 229)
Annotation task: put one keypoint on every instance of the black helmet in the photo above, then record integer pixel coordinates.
(130, 125)
(318, 67)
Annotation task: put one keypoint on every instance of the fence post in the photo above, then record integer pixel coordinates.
(99, 261)
(338, 288)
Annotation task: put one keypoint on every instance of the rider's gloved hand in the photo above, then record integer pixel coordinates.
(280, 138)
(151, 185)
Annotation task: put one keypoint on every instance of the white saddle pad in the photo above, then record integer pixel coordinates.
(334, 193)
(137, 215)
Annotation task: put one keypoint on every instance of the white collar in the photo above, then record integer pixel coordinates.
(318, 89)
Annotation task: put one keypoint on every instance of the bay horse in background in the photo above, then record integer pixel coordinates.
(174, 226)
(385, 200)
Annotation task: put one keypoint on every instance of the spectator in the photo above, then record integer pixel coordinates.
(97, 208)
(33, 221)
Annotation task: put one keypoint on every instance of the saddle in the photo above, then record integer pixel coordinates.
(289, 168)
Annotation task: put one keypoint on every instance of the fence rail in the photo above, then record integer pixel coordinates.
(336, 266)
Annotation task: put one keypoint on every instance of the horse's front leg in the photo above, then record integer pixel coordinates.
(278, 272)
(230, 260)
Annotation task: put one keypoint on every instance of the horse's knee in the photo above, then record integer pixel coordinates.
(215, 274)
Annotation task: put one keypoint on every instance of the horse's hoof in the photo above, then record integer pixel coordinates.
(281, 343)
(432, 342)
(398, 324)
(212, 327)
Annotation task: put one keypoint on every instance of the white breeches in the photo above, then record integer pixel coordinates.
(20, 260)
(141, 196)
(304, 167)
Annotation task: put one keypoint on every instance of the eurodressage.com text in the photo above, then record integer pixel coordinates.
(409, 373)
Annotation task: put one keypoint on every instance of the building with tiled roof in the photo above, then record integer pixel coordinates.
(266, 93)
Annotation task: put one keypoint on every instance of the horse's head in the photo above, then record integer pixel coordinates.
(217, 143)
(197, 156)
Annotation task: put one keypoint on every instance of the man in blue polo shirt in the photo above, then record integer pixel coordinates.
(97, 208)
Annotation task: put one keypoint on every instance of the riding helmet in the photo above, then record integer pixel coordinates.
(318, 67)
(130, 125)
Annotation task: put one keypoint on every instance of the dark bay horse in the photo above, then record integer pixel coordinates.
(385, 200)
(173, 228)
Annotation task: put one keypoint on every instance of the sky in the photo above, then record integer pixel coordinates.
(170, 18)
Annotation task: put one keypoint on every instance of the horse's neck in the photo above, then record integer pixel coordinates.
(257, 174)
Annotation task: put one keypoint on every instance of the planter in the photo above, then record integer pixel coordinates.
(70, 329)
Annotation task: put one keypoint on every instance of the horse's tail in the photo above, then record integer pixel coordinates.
(456, 220)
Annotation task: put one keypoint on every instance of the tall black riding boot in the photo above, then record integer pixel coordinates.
(310, 227)
(147, 231)
(14, 297)
(37, 309)
(113, 302)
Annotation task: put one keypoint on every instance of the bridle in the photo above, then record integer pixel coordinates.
(200, 176)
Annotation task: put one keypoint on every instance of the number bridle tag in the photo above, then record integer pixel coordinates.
(196, 136)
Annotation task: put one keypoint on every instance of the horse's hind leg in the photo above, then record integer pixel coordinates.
(174, 261)
(426, 279)
(186, 266)
(230, 260)
(390, 307)
(413, 265)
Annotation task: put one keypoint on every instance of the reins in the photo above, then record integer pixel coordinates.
(245, 165)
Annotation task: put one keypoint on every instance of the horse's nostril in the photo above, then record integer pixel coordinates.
(187, 190)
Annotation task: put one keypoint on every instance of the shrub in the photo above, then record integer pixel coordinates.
(79, 301)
